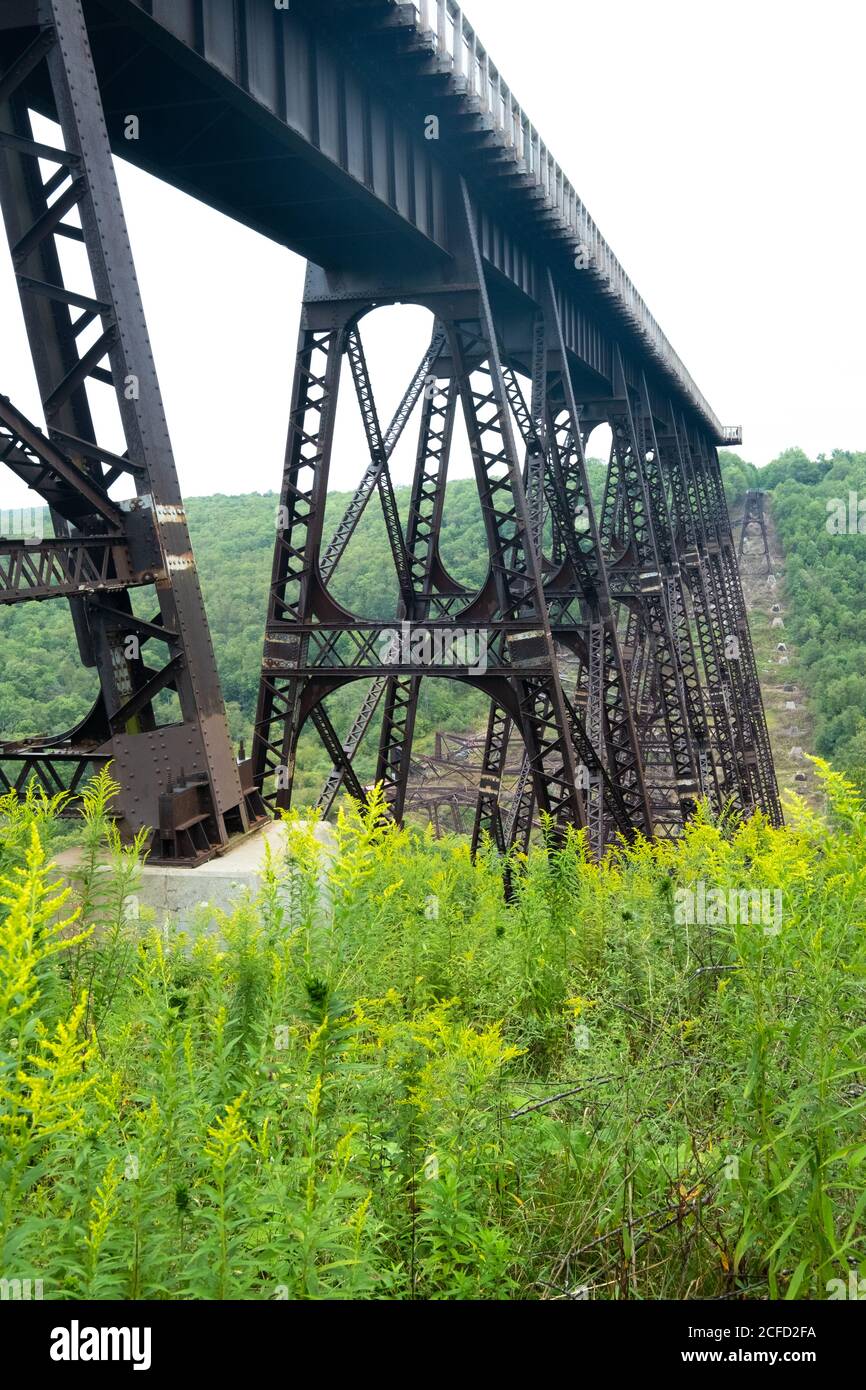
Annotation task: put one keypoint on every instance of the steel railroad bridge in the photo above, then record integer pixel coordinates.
(378, 140)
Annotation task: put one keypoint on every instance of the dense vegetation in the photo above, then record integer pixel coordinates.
(376, 1079)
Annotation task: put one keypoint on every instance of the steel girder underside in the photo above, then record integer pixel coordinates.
(618, 652)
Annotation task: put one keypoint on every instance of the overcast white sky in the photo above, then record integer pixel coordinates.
(719, 146)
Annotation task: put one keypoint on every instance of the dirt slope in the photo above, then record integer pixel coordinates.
(788, 715)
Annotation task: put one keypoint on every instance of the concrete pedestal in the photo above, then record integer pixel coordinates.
(174, 895)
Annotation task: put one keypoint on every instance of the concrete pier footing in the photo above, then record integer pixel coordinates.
(175, 895)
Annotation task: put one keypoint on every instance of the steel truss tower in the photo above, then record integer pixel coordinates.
(616, 645)
(754, 515)
(176, 767)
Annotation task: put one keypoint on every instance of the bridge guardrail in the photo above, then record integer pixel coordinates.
(452, 36)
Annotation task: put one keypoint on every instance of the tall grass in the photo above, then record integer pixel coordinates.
(376, 1079)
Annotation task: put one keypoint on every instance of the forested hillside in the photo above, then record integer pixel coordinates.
(815, 511)
(43, 687)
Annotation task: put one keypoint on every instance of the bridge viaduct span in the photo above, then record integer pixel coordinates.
(379, 140)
